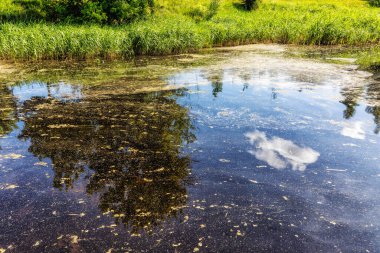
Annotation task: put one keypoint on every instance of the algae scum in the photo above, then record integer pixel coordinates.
(233, 151)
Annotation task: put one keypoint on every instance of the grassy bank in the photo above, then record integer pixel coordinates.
(369, 59)
(171, 30)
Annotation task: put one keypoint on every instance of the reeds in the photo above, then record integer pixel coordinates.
(308, 22)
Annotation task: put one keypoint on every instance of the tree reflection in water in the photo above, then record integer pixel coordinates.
(216, 80)
(351, 97)
(371, 94)
(8, 111)
(131, 143)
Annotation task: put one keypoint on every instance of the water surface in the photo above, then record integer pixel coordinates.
(234, 151)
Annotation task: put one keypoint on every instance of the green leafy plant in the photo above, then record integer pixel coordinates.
(87, 11)
(212, 9)
(250, 4)
(375, 3)
(201, 13)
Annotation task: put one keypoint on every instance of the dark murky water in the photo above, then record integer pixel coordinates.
(247, 153)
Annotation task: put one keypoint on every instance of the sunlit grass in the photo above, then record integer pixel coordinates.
(170, 30)
(370, 59)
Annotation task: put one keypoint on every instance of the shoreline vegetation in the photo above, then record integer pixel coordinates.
(179, 27)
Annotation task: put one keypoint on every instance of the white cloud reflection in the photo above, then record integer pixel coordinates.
(354, 131)
(279, 153)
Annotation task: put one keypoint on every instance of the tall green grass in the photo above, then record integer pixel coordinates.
(369, 59)
(47, 41)
(297, 25)
(303, 22)
(42, 41)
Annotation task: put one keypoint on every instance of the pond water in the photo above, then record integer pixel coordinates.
(232, 151)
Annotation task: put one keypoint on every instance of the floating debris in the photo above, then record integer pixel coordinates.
(159, 170)
(44, 164)
(74, 239)
(62, 126)
(336, 170)
(224, 113)
(351, 145)
(238, 233)
(37, 243)
(8, 186)
(261, 166)
(12, 156)
(75, 214)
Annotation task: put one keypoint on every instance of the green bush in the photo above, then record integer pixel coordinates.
(250, 4)
(197, 13)
(201, 13)
(87, 11)
(375, 3)
(212, 9)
